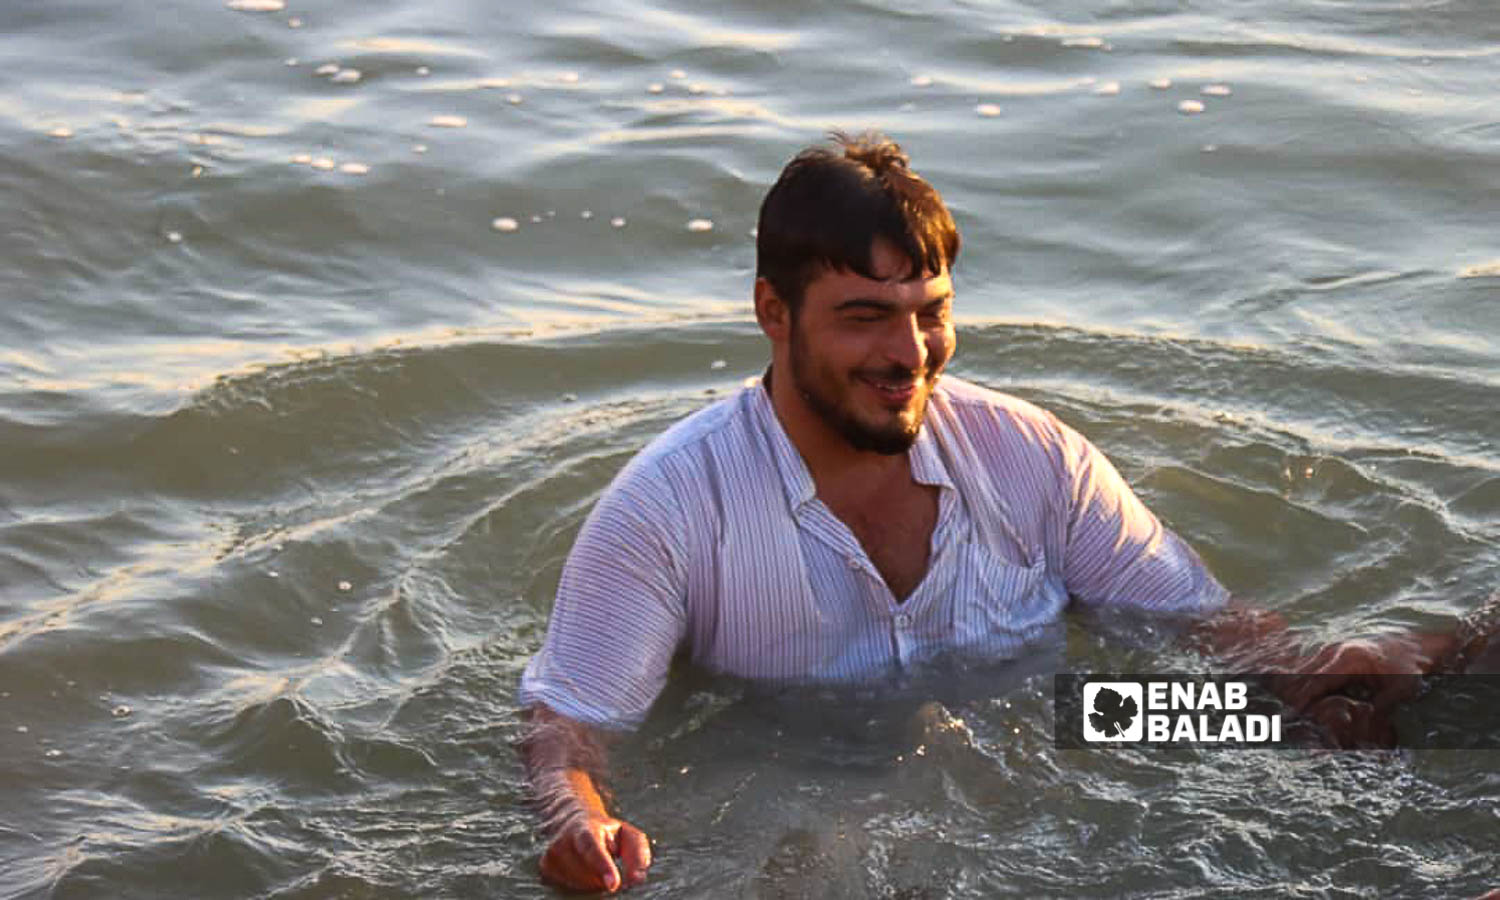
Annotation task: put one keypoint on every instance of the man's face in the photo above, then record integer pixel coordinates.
(866, 353)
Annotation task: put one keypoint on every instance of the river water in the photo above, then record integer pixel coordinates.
(296, 428)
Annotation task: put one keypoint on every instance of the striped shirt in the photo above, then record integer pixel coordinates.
(712, 541)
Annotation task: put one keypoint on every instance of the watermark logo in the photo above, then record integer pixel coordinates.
(1163, 710)
(1112, 711)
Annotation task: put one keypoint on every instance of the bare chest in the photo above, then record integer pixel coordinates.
(896, 533)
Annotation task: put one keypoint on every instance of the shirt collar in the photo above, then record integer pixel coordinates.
(926, 463)
(796, 480)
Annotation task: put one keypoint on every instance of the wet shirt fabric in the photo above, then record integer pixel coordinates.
(712, 540)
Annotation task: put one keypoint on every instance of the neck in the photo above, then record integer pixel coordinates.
(831, 461)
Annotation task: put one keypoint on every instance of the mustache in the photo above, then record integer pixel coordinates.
(896, 373)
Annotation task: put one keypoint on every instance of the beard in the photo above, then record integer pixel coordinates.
(829, 396)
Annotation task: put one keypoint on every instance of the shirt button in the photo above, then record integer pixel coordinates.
(903, 620)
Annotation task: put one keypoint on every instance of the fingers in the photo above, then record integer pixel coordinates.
(1396, 689)
(578, 859)
(1302, 691)
(1314, 679)
(581, 857)
(635, 853)
(597, 858)
(1337, 667)
(1352, 723)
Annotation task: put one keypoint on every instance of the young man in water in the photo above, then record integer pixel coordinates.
(852, 513)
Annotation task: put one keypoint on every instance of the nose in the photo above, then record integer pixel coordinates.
(906, 344)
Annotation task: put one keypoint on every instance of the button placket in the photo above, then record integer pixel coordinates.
(901, 636)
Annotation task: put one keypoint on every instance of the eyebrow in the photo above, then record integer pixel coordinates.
(886, 305)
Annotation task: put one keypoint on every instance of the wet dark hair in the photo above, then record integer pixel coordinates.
(829, 206)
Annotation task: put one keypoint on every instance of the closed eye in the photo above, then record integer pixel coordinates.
(865, 310)
(938, 312)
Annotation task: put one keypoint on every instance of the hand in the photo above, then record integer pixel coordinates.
(582, 855)
(1351, 723)
(1358, 666)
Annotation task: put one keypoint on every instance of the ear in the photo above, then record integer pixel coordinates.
(773, 314)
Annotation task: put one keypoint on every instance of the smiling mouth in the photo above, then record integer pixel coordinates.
(895, 391)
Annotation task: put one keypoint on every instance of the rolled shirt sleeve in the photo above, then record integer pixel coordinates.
(1117, 552)
(619, 615)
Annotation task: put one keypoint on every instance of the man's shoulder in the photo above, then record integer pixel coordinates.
(973, 402)
(674, 447)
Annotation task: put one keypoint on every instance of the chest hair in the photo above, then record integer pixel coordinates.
(896, 533)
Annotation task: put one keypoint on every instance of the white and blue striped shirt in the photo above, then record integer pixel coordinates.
(712, 539)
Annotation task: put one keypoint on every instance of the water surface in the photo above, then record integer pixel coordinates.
(294, 439)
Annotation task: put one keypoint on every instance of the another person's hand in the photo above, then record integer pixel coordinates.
(582, 855)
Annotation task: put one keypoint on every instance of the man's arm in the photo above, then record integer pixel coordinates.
(618, 618)
(1348, 687)
(1259, 641)
(564, 760)
(1118, 553)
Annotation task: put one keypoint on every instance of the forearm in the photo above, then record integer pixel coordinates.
(564, 760)
(1246, 638)
(1347, 687)
(1258, 640)
(564, 764)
